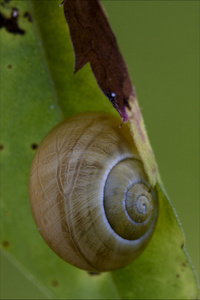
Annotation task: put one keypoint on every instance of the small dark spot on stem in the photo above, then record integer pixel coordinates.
(9, 66)
(28, 16)
(5, 244)
(54, 283)
(1, 147)
(11, 24)
(182, 245)
(184, 264)
(177, 275)
(34, 146)
(94, 273)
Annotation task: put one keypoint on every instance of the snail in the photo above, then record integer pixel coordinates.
(89, 193)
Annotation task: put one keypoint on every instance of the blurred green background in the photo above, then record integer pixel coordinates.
(160, 43)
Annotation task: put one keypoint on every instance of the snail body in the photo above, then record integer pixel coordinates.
(89, 193)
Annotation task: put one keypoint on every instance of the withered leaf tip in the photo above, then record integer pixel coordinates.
(94, 42)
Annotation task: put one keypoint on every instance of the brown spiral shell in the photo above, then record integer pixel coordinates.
(89, 193)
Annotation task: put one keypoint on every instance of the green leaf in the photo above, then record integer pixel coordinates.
(38, 91)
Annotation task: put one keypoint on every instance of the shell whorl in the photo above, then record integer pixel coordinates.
(89, 193)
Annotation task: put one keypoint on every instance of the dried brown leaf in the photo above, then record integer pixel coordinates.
(94, 42)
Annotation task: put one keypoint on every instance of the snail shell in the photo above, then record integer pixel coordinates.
(89, 194)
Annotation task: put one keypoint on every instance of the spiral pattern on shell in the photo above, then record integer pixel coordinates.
(89, 193)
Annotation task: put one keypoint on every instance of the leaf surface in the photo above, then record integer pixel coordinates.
(38, 91)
